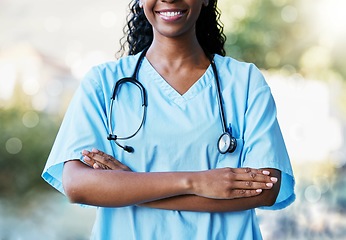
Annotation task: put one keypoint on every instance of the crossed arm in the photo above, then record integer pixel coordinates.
(109, 183)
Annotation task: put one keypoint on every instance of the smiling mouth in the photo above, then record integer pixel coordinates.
(171, 14)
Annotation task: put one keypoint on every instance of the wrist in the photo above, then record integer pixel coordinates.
(190, 182)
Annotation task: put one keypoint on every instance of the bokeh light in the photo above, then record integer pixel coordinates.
(312, 194)
(289, 14)
(13, 145)
(40, 101)
(30, 119)
(31, 86)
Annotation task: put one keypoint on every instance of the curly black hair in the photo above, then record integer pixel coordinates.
(139, 33)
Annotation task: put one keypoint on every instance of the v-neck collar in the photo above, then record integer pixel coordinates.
(170, 92)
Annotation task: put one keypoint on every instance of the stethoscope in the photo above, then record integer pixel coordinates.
(226, 142)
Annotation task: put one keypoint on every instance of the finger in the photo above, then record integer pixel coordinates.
(101, 157)
(250, 170)
(242, 193)
(250, 185)
(92, 153)
(96, 166)
(94, 150)
(255, 175)
(104, 159)
(107, 160)
(92, 163)
(85, 152)
(114, 161)
(88, 161)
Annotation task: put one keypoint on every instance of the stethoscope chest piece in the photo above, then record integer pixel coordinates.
(227, 143)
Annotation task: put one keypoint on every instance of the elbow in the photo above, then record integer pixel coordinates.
(270, 200)
(270, 196)
(71, 183)
(267, 198)
(72, 192)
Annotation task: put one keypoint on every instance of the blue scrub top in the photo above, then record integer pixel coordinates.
(180, 133)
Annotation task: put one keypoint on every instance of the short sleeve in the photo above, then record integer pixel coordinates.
(84, 126)
(264, 146)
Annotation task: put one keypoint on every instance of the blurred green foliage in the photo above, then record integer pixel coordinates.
(278, 33)
(24, 150)
(263, 37)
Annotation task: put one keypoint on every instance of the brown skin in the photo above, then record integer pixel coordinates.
(217, 190)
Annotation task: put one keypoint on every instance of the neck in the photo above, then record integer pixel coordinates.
(175, 51)
(180, 61)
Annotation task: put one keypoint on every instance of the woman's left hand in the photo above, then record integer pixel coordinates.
(100, 160)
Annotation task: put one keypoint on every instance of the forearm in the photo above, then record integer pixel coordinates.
(201, 204)
(117, 188)
(110, 188)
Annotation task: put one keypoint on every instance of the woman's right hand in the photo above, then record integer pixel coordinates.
(231, 183)
(100, 160)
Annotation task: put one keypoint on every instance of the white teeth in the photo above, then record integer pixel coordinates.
(170, 14)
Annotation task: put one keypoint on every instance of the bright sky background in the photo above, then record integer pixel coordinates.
(80, 33)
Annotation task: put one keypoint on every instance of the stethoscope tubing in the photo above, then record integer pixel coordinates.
(133, 79)
(226, 142)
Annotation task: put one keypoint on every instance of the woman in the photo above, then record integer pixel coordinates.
(174, 180)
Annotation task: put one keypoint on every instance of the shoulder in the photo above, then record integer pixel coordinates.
(122, 66)
(241, 72)
(105, 74)
(231, 65)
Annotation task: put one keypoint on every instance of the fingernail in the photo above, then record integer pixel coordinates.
(274, 179)
(85, 152)
(86, 158)
(265, 172)
(269, 185)
(94, 150)
(258, 190)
